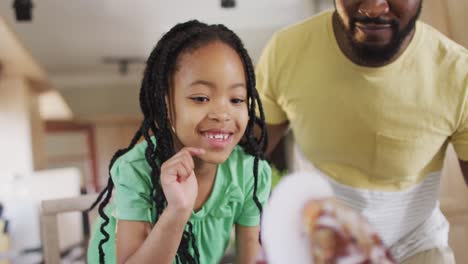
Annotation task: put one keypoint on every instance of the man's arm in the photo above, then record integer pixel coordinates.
(275, 133)
(464, 168)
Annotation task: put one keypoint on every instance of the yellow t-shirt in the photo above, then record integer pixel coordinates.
(382, 128)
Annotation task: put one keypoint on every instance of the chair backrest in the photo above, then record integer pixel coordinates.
(21, 196)
(50, 209)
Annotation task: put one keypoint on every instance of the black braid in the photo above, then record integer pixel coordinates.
(108, 193)
(194, 246)
(160, 67)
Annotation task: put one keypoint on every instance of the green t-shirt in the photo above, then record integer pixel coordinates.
(229, 203)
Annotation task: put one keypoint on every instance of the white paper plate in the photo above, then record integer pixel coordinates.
(283, 237)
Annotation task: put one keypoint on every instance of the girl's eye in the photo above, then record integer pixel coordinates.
(199, 99)
(237, 101)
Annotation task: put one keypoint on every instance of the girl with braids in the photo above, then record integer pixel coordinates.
(199, 170)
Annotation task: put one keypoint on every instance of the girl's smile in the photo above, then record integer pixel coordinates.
(218, 138)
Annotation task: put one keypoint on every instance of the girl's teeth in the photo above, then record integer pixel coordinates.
(218, 136)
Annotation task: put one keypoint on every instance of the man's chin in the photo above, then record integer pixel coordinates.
(374, 47)
(372, 43)
(382, 39)
(375, 51)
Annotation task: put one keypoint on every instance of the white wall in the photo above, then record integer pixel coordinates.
(16, 151)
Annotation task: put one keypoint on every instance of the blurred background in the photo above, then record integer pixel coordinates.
(69, 82)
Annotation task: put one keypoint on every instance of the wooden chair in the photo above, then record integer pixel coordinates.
(50, 209)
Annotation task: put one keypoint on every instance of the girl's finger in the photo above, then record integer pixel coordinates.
(172, 161)
(182, 172)
(194, 151)
(188, 170)
(188, 151)
(182, 158)
(188, 160)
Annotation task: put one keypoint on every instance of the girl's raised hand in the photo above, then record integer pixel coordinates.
(179, 182)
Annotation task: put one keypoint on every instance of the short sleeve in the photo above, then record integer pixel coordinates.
(459, 139)
(250, 215)
(267, 84)
(132, 200)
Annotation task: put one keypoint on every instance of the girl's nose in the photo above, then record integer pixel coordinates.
(219, 116)
(373, 8)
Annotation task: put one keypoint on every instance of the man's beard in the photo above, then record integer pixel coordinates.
(371, 53)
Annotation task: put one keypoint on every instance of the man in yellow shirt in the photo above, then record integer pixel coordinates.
(373, 97)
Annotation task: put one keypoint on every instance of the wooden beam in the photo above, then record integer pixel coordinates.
(17, 60)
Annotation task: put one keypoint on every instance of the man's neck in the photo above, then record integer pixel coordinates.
(345, 45)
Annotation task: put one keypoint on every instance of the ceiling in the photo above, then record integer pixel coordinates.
(70, 38)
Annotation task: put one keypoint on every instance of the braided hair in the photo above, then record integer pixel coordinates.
(160, 67)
